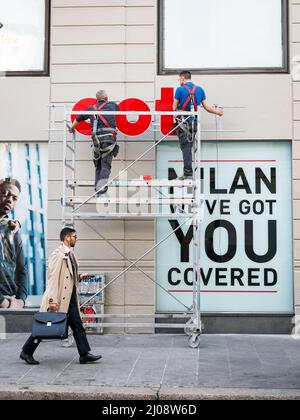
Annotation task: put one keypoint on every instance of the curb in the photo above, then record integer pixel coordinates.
(167, 393)
(58, 392)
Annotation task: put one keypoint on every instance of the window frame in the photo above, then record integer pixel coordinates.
(46, 70)
(162, 70)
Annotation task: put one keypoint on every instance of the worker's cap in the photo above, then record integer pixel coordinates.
(10, 181)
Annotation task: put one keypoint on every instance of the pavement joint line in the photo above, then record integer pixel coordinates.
(96, 374)
(25, 374)
(262, 363)
(133, 367)
(288, 356)
(166, 362)
(228, 360)
(64, 369)
(198, 365)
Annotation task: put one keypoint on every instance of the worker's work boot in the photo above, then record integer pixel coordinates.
(185, 177)
(103, 191)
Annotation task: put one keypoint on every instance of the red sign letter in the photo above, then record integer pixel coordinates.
(133, 128)
(83, 127)
(166, 104)
(143, 122)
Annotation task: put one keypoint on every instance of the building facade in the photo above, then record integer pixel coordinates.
(125, 47)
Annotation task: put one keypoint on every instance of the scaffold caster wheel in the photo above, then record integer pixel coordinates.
(188, 328)
(68, 342)
(194, 341)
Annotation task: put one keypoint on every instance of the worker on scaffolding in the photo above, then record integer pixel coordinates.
(104, 137)
(189, 97)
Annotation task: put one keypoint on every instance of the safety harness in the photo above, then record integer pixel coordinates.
(190, 125)
(190, 98)
(104, 138)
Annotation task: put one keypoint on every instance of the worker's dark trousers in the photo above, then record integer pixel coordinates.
(75, 323)
(187, 149)
(103, 170)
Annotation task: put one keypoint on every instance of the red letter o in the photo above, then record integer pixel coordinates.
(133, 128)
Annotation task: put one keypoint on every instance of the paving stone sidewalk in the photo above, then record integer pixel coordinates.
(157, 367)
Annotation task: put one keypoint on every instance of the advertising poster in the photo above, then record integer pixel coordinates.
(26, 163)
(246, 235)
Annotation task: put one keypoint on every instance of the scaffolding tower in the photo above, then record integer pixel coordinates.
(188, 206)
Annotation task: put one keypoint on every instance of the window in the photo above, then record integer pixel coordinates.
(24, 37)
(223, 36)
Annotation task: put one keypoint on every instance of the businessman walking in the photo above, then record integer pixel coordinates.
(61, 296)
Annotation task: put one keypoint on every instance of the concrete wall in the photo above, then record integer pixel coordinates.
(111, 44)
(24, 109)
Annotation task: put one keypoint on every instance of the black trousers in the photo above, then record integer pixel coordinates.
(103, 170)
(75, 324)
(186, 141)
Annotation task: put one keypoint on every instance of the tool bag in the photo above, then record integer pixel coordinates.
(189, 127)
(104, 138)
(50, 326)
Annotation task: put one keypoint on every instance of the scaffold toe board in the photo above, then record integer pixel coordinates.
(131, 325)
(137, 183)
(131, 201)
(109, 215)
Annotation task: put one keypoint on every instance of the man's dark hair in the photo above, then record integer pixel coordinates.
(65, 232)
(186, 74)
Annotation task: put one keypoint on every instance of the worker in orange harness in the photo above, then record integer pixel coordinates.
(104, 136)
(189, 97)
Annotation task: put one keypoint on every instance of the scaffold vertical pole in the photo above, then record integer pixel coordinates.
(72, 149)
(195, 329)
(64, 168)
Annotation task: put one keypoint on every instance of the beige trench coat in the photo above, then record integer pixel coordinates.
(60, 281)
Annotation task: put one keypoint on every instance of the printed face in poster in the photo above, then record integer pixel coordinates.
(246, 237)
(13, 272)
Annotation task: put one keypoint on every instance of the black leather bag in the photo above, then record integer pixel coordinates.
(50, 326)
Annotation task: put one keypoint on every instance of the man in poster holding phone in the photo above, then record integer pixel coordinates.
(13, 268)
